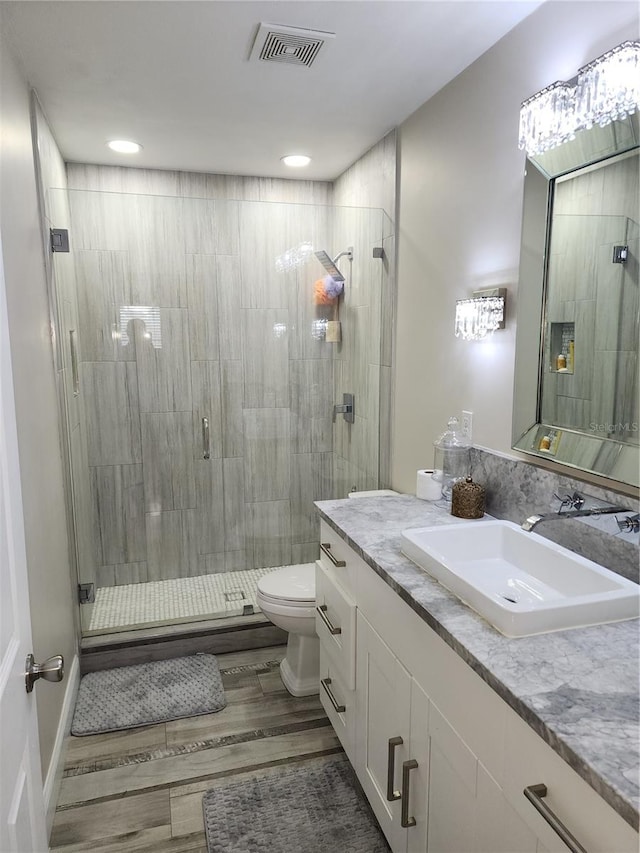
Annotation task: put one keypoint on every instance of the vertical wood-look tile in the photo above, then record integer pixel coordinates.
(118, 497)
(203, 307)
(269, 535)
(131, 573)
(232, 387)
(167, 452)
(163, 362)
(83, 503)
(265, 237)
(267, 454)
(98, 220)
(156, 250)
(211, 226)
(311, 388)
(265, 338)
(171, 544)
(207, 403)
(234, 505)
(229, 292)
(110, 392)
(307, 552)
(310, 481)
(103, 288)
(210, 531)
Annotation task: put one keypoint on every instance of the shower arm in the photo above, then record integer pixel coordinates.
(348, 252)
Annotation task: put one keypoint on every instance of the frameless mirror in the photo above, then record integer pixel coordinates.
(576, 397)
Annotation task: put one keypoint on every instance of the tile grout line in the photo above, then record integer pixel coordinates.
(202, 778)
(83, 768)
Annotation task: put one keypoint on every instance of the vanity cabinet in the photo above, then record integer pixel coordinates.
(392, 759)
(426, 732)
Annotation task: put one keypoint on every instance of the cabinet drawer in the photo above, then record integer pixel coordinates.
(592, 821)
(340, 561)
(339, 702)
(336, 625)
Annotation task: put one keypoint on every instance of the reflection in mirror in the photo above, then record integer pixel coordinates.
(576, 393)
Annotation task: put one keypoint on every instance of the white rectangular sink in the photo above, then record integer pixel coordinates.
(520, 582)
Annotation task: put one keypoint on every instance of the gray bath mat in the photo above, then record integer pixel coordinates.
(130, 696)
(312, 808)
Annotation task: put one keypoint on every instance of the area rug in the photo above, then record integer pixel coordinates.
(131, 696)
(311, 808)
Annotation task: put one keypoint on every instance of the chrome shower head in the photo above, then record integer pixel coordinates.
(330, 265)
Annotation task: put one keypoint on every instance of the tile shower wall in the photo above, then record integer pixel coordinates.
(599, 298)
(364, 359)
(191, 309)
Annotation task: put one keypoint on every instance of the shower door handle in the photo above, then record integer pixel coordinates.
(205, 439)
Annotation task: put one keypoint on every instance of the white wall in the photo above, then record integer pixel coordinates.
(52, 609)
(460, 206)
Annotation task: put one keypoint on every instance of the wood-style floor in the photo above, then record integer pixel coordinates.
(140, 791)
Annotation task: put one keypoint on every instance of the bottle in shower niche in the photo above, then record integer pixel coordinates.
(452, 457)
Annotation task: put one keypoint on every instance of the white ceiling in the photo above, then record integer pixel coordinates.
(176, 76)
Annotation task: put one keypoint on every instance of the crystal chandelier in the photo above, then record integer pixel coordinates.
(481, 316)
(606, 90)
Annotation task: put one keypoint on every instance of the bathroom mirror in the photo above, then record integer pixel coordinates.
(576, 398)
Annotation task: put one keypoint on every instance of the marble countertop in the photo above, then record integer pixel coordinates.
(578, 689)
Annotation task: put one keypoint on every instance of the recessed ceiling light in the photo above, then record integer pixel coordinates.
(296, 160)
(124, 146)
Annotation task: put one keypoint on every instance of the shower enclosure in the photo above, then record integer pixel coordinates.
(200, 393)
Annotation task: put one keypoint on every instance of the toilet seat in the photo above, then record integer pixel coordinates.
(293, 586)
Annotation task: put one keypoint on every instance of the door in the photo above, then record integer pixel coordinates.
(383, 710)
(22, 826)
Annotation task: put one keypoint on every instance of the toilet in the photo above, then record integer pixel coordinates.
(287, 597)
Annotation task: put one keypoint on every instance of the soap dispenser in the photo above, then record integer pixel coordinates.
(451, 457)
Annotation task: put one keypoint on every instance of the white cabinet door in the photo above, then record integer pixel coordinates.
(383, 709)
(452, 789)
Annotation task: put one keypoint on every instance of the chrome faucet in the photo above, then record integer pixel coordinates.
(577, 501)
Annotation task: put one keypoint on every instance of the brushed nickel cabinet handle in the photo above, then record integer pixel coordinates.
(205, 439)
(391, 768)
(325, 547)
(339, 708)
(535, 795)
(322, 612)
(407, 767)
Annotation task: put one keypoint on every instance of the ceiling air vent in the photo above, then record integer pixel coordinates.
(292, 45)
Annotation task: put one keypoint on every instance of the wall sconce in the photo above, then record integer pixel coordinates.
(605, 90)
(482, 315)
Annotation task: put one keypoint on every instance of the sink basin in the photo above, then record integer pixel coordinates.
(520, 582)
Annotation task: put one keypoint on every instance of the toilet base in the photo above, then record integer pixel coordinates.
(300, 669)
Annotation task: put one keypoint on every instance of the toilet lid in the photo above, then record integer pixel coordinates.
(291, 583)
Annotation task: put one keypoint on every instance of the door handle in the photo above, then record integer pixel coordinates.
(205, 438)
(51, 670)
(407, 767)
(535, 794)
(391, 768)
(322, 612)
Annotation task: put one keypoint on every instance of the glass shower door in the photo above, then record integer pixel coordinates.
(204, 387)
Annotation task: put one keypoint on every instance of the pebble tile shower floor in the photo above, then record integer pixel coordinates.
(173, 601)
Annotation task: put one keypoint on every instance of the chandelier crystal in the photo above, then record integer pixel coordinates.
(477, 318)
(607, 89)
(547, 118)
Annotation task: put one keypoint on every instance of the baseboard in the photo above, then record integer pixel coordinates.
(56, 765)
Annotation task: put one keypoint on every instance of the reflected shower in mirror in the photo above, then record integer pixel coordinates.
(576, 391)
